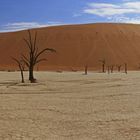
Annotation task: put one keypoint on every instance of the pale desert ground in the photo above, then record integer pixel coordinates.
(70, 106)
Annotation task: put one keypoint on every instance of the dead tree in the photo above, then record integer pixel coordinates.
(125, 67)
(119, 67)
(112, 68)
(103, 65)
(86, 69)
(20, 64)
(139, 66)
(34, 54)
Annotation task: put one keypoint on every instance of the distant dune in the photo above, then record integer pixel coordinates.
(77, 46)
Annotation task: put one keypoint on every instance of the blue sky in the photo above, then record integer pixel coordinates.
(23, 14)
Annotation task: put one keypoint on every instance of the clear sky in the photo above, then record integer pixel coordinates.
(22, 14)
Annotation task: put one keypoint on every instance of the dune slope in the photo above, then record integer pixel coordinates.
(77, 46)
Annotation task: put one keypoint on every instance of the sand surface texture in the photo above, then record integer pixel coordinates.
(70, 106)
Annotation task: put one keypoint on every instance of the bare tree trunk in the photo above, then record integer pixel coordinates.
(21, 67)
(31, 75)
(103, 65)
(103, 68)
(112, 68)
(139, 66)
(22, 76)
(86, 68)
(119, 68)
(125, 67)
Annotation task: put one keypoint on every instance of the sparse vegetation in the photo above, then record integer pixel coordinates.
(34, 54)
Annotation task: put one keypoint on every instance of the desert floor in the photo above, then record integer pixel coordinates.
(70, 106)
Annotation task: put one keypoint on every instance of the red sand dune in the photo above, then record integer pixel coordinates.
(77, 46)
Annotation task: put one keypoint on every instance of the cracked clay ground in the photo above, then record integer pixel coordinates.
(70, 106)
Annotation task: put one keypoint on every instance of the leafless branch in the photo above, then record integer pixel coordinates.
(40, 60)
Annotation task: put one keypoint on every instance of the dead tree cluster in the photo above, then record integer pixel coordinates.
(110, 68)
(33, 55)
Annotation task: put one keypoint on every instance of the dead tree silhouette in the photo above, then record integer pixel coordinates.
(86, 69)
(21, 66)
(139, 66)
(34, 54)
(103, 65)
(125, 67)
(119, 67)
